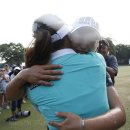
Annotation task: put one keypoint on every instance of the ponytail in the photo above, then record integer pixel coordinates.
(40, 51)
(50, 34)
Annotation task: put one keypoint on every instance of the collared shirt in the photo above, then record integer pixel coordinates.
(81, 90)
(62, 52)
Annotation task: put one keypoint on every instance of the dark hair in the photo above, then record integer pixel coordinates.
(40, 50)
(104, 42)
(16, 71)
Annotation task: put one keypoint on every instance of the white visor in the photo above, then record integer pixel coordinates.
(60, 34)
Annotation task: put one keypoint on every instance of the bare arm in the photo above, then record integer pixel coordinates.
(15, 88)
(39, 74)
(111, 120)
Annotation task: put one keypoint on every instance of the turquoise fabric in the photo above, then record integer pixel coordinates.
(81, 90)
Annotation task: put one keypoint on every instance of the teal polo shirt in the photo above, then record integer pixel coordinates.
(81, 90)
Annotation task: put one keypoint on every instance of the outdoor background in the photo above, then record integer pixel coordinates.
(17, 17)
(35, 121)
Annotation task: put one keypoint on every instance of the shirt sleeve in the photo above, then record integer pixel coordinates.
(109, 82)
(114, 64)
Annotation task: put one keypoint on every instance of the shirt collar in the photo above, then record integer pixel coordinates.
(62, 52)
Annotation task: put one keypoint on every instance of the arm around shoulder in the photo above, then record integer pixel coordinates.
(15, 88)
(113, 119)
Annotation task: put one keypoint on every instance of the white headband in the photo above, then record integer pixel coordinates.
(60, 34)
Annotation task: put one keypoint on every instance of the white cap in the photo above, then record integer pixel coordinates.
(90, 26)
(17, 68)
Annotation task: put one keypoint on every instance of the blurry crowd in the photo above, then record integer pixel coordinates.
(7, 73)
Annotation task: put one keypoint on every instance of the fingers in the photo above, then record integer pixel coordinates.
(41, 82)
(63, 114)
(48, 67)
(55, 124)
(52, 72)
(49, 77)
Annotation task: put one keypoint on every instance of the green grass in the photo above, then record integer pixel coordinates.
(123, 87)
(35, 121)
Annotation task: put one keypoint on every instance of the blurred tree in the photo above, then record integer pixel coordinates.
(112, 46)
(123, 53)
(12, 53)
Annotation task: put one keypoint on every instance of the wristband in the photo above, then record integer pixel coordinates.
(82, 124)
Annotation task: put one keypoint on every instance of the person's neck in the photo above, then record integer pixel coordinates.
(66, 44)
(105, 55)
